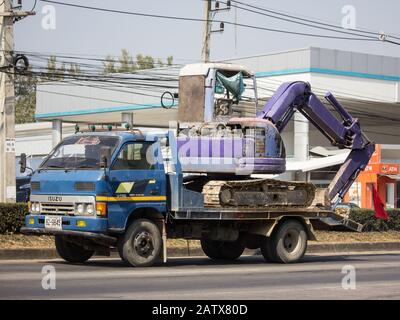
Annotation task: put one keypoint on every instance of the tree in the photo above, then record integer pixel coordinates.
(25, 107)
(25, 97)
(74, 69)
(53, 72)
(170, 60)
(61, 72)
(125, 62)
(109, 65)
(52, 67)
(144, 62)
(160, 63)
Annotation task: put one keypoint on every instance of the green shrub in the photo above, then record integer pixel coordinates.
(366, 217)
(12, 216)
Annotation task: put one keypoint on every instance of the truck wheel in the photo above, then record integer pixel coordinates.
(222, 250)
(142, 243)
(210, 248)
(287, 244)
(72, 252)
(232, 250)
(120, 248)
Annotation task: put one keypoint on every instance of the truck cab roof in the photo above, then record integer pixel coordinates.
(123, 135)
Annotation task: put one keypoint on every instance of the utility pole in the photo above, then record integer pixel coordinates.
(7, 100)
(205, 52)
(205, 55)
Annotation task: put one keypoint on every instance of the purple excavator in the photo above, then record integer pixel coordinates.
(222, 139)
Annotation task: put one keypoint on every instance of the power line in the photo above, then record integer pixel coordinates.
(204, 20)
(310, 20)
(297, 22)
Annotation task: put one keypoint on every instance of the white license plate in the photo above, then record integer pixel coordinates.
(51, 222)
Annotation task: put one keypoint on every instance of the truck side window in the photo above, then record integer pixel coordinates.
(133, 157)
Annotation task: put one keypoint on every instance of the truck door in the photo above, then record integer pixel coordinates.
(137, 179)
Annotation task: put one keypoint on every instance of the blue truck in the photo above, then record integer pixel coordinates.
(123, 190)
(96, 191)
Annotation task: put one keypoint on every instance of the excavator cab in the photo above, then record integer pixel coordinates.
(212, 92)
(218, 130)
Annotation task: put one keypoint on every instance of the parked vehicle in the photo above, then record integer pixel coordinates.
(347, 205)
(23, 179)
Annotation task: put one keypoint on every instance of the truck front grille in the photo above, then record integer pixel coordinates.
(58, 208)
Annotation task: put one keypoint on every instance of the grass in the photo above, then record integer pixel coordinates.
(14, 241)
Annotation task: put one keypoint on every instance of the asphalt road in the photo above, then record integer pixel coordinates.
(318, 277)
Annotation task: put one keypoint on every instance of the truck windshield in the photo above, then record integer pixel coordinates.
(79, 152)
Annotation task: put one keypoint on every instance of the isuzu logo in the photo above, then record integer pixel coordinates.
(54, 199)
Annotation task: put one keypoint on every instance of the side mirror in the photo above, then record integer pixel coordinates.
(105, 156)
(22, 162)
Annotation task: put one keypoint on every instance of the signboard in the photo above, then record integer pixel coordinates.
(383, 168)
(10, 145)
(355, 193)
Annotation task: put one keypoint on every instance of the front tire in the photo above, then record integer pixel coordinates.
(72, 252)
(142, 243)
(287, 244)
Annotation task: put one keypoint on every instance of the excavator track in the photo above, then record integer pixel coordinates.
(269, 193)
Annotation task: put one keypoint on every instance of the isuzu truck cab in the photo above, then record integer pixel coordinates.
(90, 185)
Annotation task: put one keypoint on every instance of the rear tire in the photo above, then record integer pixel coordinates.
(142, 243)
(210, 249)
(287, 244)
(72, 252)
(266, 250)
(222, 250)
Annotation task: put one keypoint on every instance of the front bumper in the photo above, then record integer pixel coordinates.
(96, 237)
(93, 224)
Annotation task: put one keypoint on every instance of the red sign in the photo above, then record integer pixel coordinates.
(382, 168)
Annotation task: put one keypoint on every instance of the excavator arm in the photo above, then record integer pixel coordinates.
(292, 96)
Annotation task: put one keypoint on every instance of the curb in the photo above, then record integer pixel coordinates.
(50, 253)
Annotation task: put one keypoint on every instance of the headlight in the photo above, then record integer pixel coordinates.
(80, 208)
(90, 208)
(35, 207)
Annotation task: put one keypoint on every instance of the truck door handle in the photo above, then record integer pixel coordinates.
(155, 191)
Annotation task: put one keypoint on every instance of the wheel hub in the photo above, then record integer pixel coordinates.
(290, 241)
(143, 244)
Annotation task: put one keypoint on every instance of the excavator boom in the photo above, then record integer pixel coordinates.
(297, 96)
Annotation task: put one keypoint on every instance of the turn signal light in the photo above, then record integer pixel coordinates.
(101, 209)
(81, 223)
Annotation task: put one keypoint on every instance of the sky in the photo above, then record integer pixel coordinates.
(83, 32)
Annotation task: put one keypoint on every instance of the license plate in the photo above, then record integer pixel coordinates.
(51, 222)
